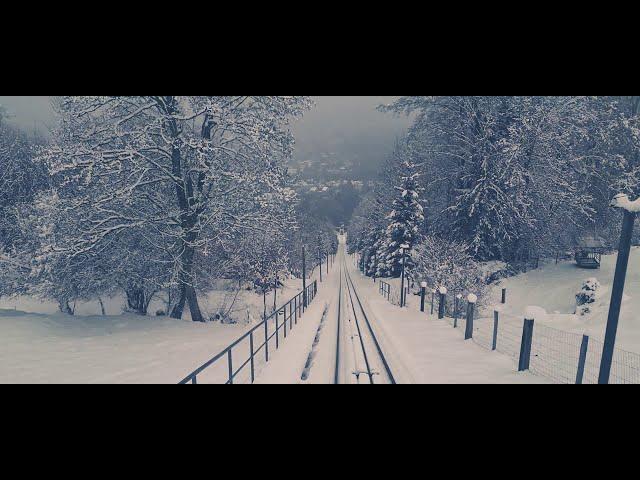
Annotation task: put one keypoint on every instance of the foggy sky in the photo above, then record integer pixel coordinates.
(348, 125)
(345, 125)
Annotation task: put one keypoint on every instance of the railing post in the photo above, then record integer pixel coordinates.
(230, 361)
(253, 366)
(296, 310)
(504, 296)
(304, 279)
(290, 315)
(285, 325)
(423, 294)
(525, 347)
(468, 332)
(266, 340)
(277, 333)
(582, 360)
(443, 303)
(496, 318)
(194, 380)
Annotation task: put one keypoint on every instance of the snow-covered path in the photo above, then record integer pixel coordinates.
(317, 325)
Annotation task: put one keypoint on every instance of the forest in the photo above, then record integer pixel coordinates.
(153, 195)
(497, 178)
(163, 195)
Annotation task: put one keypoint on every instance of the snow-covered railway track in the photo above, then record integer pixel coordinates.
(366, 362)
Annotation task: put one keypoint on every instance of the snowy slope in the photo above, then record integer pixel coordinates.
(117, 349)
(40, 345)
(553, 287)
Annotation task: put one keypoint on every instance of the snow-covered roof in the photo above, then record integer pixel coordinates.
(591, 241)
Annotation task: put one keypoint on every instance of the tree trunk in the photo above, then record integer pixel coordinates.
(188, 295)
(275, 295)
(194, 307)
(188, 220)
(137, 301)
(104, 313)
(178, 309)
(64, 307)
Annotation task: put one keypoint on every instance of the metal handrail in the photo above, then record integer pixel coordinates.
(384, 289)
(296, 309)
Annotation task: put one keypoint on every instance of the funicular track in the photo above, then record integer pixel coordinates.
(369, 361)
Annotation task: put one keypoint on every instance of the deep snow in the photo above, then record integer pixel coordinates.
(554, 287)
(40, 345)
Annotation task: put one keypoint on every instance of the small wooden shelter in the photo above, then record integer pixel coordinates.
(589, 251)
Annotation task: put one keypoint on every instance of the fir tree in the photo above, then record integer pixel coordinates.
(404, 222)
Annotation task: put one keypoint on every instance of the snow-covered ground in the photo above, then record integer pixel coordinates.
(419, 349)
(40, 345)
(38, 348)
(422, 349)
(311, 345)
(554, 287)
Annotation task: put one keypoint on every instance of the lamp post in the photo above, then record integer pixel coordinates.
(624, 250)
(403, 300)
